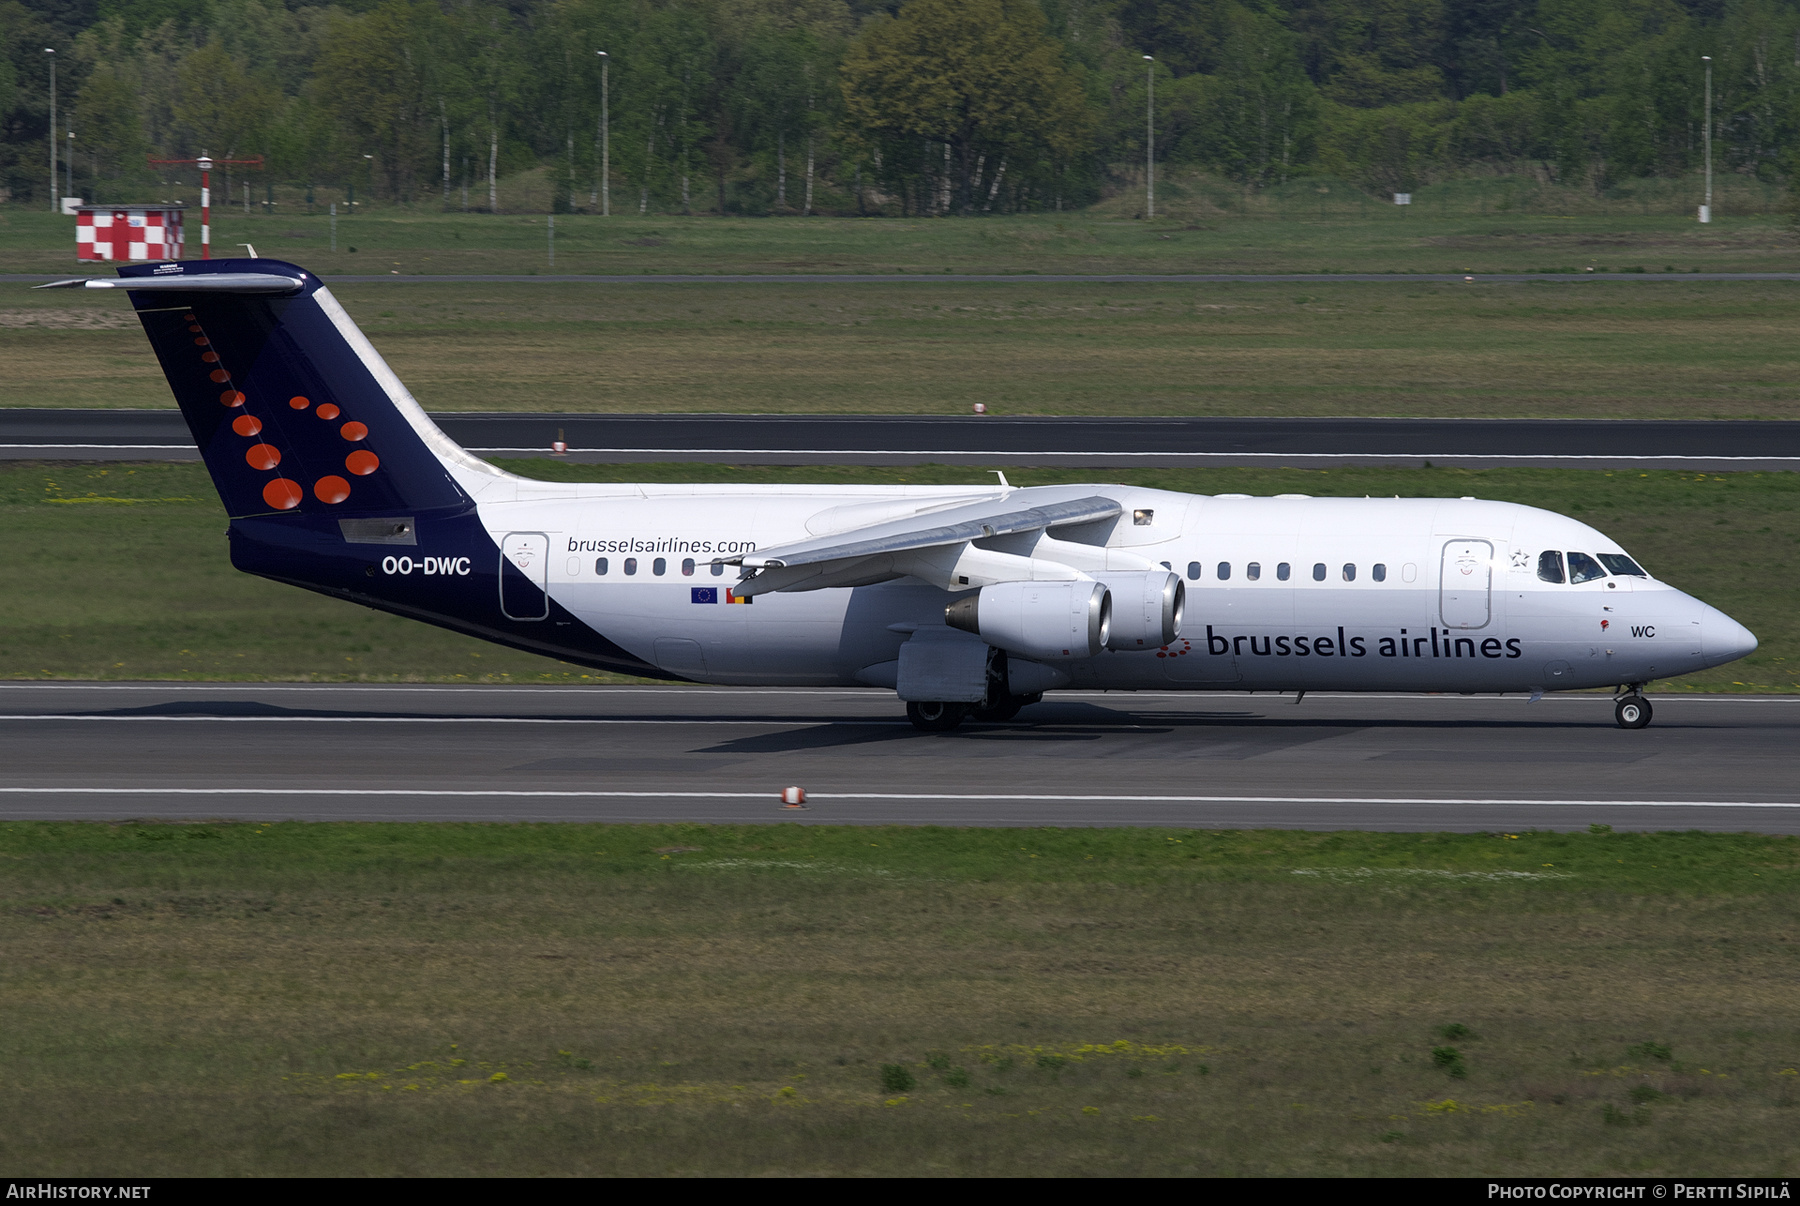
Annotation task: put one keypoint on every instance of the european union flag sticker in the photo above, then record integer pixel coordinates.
(704, 594)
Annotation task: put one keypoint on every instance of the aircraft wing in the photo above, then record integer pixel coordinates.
(919, 545)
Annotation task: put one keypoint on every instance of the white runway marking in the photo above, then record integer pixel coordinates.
(352, 718)
(771, 796)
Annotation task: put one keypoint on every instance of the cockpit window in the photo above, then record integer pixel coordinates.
(1583, 568)
(1622, 565)
(1550, 568)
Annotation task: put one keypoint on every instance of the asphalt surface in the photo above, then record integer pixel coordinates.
(1017, 278)
(998, 440)
(323, 752)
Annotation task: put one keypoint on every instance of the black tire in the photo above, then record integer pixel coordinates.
(1633, 712)
(932, 716)
(1003, 709)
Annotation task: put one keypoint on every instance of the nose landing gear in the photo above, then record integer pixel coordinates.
(1632, 711)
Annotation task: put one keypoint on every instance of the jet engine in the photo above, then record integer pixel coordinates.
(1038, 619)
(1146, 609)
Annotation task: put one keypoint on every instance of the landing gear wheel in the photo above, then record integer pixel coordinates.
(1002, 709)
(1632, 712)
(933, 716)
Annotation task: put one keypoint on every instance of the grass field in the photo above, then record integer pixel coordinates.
(1604, 349)
(120, 571)
(1306, 226)
(364, 999)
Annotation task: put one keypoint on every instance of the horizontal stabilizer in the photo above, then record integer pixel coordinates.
(266, 283)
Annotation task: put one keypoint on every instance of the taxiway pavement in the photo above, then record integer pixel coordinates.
(496, 753)
(1002, 440)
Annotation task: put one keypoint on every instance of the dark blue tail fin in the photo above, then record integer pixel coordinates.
(291, 407)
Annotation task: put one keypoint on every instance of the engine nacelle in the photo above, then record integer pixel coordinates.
(1050, 620)
(1146, 609)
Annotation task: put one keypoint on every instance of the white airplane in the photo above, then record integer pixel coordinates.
(964, 601)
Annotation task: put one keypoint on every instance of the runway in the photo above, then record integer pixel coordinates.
(667, 754)
(1718, 445)
(1016, 278)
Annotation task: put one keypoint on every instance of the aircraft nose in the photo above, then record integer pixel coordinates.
(1723, 639)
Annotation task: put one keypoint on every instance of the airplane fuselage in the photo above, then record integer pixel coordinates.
(1282, 593)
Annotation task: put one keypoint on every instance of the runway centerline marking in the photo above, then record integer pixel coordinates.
(771, 796)
(447, 720)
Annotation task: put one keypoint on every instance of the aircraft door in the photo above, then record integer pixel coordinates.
(524, 572)
(1465, 585)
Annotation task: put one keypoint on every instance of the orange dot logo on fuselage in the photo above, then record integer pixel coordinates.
(299, 403)
(331, 489)
(328, 411)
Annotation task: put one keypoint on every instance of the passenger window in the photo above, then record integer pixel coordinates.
(1583, 568)
(1283, 570)
(1550, 566)
(1224, 571)
(718, 568)
(1193, 571)
(1319, 572)
(1378, 572)
(1253, 571)
(600, 567)
(630, 566)
(687, 567)
(659, 567)
(1349, 573)
(1621, 565)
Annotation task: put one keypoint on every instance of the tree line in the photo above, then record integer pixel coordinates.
(921, 107)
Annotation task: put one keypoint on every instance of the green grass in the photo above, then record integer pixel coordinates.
(365, 999)
(1663, 350)
(121, 572)
(1203, 226)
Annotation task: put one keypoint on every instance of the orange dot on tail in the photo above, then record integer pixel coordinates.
(187, 318)
(328, 411)
(209, 357)
(353, 431)
(246, 425)
(331, 489)
(200, 341)
(220, 376)
(263, 456)
(299, 403)
(231, 397)
(282, 494)
(195, 330)
(362, 462)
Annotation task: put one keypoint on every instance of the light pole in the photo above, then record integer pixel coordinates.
(605, 137)
(52, 139)
(1706, 209)
(1150, 141)
(70, 166)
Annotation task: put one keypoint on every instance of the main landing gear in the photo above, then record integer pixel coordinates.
(936, 717)
(933, 716)
(1632, 711)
